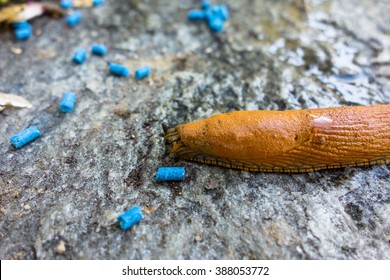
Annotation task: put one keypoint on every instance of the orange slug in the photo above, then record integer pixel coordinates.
(287, 141)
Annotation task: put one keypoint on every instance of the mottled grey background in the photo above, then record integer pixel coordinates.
(67, 187)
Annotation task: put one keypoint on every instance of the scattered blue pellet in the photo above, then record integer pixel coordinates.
(79, 56)
(142, 72)
(22, 30)
(216, 24)
(20, 24)
(214, 12)
(99, 49)
(23, 34)
(97, 3)
(196, 15)
(25, 136)
(215, 15)
(209, 14)
(224, 11)
(66, 4)
(130, 217)
(68, 101)
(73, 18)
(205, 5)
(170, 174)
(119, 70)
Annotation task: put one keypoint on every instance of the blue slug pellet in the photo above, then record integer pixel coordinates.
(216, 24)
(20, 24)
(99, 49)
(97, 3)
(66, 4)
(205, 5)
(23, 34)
(130, 217)
(223, 11)
(170, 174)
(68, 101)
(196, 15)
(119, 70)
(142, 72)
(215, 15)
(79, 56)
(22, 30)
(25, 136)
(74, 18)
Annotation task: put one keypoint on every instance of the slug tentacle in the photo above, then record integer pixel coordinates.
(288, 141)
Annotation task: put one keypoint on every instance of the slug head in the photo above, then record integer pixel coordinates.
(172, 138)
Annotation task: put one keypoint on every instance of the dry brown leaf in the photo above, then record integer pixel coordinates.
(82, 3)
(24, 12)
(32, 10)
(13, 100)
(2, 108)
(10, 14)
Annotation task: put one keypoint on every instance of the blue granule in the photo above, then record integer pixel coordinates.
(24, 137)
(130, 217)
(170, 174)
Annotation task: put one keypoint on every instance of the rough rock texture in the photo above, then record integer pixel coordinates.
(61, 194)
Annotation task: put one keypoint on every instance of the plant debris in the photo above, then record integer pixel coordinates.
(60, 248)
(24, 12)
(12, 100)
(82, 3)
(16, 51)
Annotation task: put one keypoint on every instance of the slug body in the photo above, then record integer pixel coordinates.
(287, 141)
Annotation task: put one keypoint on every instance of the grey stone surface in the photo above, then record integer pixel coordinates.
(67, 187)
